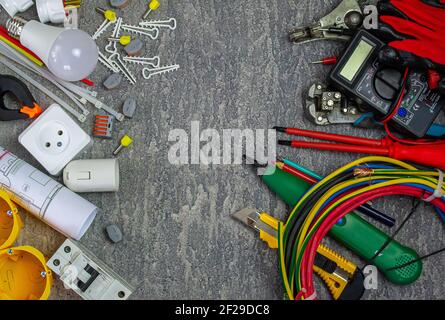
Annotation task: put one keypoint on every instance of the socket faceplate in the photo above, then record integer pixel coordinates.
(54, 139)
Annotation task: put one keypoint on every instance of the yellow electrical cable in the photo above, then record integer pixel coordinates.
(409, 173)
(346, 167)
(21, 51)
(314, 210)
(282, 262)
(348, 183)
(341, 186)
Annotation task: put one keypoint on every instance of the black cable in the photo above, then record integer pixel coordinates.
(418, 259)
(415, 205)
(304, 211)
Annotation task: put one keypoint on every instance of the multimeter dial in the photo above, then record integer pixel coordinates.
(359, 74)
(387, 83)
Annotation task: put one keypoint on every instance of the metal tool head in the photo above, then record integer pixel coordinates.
(246, 216)
(355, 289)
(252, 218)
(347, 15)
(325, 106)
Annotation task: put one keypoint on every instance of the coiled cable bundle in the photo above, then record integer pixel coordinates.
(335, 196)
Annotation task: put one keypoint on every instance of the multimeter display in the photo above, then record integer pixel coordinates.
(361, 76)
(355, 62)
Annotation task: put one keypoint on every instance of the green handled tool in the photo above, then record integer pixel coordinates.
(354, 232)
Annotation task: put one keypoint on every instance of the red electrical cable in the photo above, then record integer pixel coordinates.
(387, 118)
(394, 112)
(88, 82)
(341, 211)
(338, 213)
(296, 173)
(333, 201)
(411, 142)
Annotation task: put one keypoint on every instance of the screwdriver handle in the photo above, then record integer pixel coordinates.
(431, 155)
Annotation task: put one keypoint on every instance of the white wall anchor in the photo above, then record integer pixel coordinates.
(170, 23)
(147, 73)
(110, 19)
(154, 61)
(152, 33)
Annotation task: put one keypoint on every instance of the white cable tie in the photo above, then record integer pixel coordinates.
(438, 192)
(313, 296)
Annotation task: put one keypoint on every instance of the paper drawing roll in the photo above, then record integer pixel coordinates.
(44, 197)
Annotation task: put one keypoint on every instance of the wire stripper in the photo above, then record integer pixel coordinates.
(29, 110)
(343, 278)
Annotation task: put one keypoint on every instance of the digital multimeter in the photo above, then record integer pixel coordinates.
(360, 74)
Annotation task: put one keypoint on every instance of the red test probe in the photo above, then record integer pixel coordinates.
(282, 166)
(427, 154)
(326, 61)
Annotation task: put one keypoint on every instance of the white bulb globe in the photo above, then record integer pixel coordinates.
(73, 56)
(70, 54)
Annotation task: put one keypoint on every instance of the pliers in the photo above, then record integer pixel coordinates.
(29, 110)
(340, 24)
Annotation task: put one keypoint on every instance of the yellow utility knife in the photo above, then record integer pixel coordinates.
(342, 277)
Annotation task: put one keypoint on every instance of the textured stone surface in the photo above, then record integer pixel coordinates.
(238, 70)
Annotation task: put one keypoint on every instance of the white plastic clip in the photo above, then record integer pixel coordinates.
(313, 296)
(438, 192)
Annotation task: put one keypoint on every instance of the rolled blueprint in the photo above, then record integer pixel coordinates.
(44, 197)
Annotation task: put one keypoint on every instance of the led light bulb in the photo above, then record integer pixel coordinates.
(69, 54)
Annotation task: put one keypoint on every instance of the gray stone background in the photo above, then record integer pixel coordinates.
(238, 70)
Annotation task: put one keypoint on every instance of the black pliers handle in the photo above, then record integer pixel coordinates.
(29, 110)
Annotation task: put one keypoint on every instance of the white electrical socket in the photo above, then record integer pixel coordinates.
(54, 139)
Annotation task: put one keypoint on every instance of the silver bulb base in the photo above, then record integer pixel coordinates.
(15, 26)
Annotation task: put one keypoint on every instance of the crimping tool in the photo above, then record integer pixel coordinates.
(342, 277)
(325, 106)
(29, 110)
(340, 24)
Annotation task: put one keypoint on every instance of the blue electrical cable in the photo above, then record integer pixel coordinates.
(371, 166)
(335, 195)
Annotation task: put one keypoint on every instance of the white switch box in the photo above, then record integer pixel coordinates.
(54, 139)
